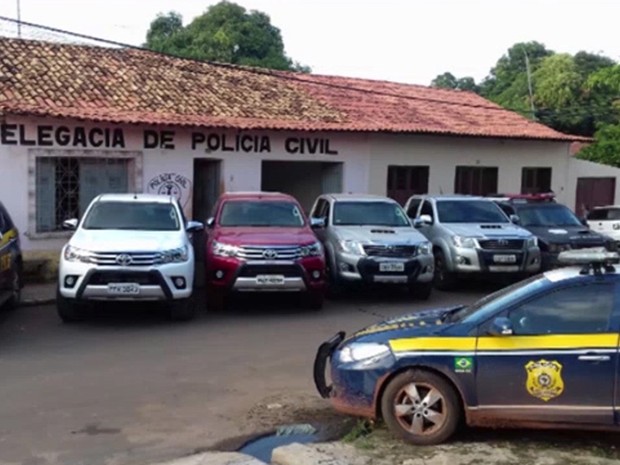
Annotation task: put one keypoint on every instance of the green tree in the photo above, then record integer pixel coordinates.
(449, 81)
(606, 146)
(226, 33)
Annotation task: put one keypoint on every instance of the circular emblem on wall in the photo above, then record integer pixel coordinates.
(173, 184)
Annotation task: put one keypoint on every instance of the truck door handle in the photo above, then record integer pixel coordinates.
(594, 358)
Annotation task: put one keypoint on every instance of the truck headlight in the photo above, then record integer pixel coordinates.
(312, 250)
(75, 254)
(363, 353)
(464, 242)
(352, 247)
(224, 250)
(176, 255)
(425, 248)
(531, 242)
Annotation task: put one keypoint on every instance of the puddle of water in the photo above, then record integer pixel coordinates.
(262, 447)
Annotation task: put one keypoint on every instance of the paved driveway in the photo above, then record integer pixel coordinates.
(128, 386)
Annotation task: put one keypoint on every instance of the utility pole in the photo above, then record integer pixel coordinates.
(19, 19)
(529, 83)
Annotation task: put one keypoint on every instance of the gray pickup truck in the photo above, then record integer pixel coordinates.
(370, 239)
(472, 235)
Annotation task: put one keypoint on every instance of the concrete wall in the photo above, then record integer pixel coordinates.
(156, 167)
(587, 169)
(444, 154)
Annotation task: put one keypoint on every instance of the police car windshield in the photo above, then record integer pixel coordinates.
(369, 213)
(135, 216)
(547, 215)
(503, 298)
(469, 211)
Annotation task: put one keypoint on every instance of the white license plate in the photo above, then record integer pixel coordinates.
(123, 288)
(389, 267)
(270, 280)
(505, 258)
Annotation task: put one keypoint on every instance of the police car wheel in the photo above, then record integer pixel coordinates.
(16, 291)
(420, 408)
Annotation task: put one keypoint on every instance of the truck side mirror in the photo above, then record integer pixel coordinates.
(70, 224)
(426, 220)
(317, 223)
(210, 222)
(194, 226)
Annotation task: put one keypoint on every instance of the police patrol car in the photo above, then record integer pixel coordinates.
(10, 261)
(540, 353)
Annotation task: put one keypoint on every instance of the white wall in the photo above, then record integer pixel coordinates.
(587, 169)
(240, 171)
(443, 154)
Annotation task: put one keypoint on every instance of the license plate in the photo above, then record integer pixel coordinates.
(123, 288)
(503, 269)
(505, 258)
(270, 280)
(389, 267)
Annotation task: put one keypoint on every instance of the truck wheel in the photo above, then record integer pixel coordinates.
(313, 300)
(421, 291)
(420, 408)
(443, 279)
(16, 290)
(68, 310)
(182, 309)
(217, 301)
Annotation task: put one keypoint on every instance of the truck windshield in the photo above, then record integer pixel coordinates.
(261, 213)
(369, 213)
(139, 216)
(470, 211)
(556, 215)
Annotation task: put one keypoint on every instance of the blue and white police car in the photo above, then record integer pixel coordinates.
(540, 353)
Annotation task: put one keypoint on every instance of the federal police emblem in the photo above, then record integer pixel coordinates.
(544, 379)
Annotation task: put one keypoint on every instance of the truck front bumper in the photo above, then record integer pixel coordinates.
(385, 270)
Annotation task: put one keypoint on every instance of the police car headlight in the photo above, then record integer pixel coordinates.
(75, 254)
(464, 242)
(364, 352)
(531, 242)
(425, 249)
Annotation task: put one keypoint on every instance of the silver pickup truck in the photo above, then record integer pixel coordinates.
(369, 239)
(472, 235)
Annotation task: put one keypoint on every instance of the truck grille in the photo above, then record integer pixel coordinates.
(394, 251)
(501, 244)
(270, 252)
(126, 259)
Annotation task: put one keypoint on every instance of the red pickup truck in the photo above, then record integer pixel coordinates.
(262, 242)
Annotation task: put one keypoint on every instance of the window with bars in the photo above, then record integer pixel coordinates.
(66, 185)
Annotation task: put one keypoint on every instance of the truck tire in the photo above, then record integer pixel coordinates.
(182, 309)
(421, 291)
(443, 279)
(68, 310)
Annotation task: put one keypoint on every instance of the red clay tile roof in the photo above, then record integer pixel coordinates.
(135, 86)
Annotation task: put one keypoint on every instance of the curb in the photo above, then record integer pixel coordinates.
(37, 302)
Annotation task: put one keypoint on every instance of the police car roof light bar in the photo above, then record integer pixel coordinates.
(595, 260)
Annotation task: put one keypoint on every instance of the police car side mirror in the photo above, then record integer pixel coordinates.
(501, 327)
(515, 219)
(584, 221)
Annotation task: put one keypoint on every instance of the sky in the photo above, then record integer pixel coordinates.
(409, 41)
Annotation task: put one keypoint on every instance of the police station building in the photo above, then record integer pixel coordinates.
(76, 121)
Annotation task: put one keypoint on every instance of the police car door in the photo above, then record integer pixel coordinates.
(556, 360)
